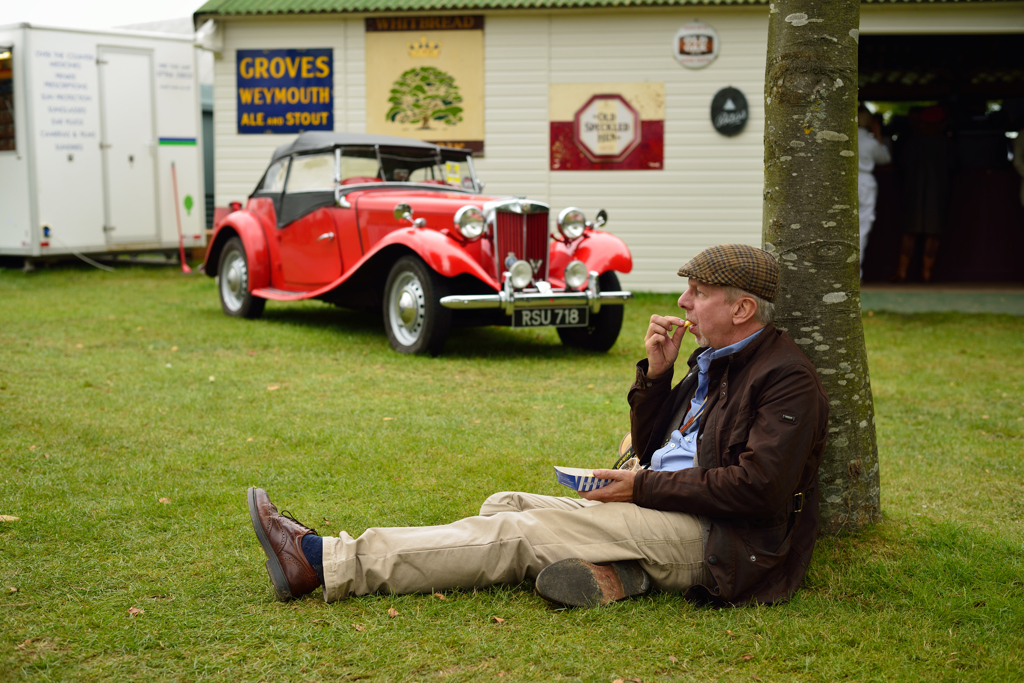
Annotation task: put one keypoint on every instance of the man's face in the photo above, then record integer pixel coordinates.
(706, 307)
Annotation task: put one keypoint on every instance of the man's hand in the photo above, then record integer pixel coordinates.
(662, 344)
(619, 491)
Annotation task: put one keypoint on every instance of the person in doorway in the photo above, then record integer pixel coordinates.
(871, 150)
(927, 165)
(724, 507)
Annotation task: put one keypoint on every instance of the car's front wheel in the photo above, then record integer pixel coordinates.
(604, 327)
(414, 318)
(233, 283)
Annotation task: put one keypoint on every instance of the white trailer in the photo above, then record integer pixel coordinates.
(90, 125)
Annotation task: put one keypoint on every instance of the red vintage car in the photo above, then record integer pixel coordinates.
(373, 222)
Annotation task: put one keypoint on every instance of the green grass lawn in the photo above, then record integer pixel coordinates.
(134, 414)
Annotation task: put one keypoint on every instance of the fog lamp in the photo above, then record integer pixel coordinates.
(521, 274)
(576, 274)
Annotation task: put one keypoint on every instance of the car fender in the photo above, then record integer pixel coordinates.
(441, 252)
(601, 251)
(250, 230)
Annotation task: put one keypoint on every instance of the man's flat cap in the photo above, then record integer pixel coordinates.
(736, 265)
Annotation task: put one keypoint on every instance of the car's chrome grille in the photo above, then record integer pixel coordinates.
(525, 236)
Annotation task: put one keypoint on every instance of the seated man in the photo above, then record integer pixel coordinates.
(724, 508)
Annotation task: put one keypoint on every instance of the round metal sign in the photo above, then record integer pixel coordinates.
(729, 112)
(696, 45)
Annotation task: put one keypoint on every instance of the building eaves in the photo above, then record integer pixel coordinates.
(271, 7)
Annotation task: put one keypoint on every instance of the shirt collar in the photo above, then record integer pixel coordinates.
(704, 359)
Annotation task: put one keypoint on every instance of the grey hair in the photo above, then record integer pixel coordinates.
(765, 309)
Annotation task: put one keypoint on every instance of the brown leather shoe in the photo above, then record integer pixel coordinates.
(576, 583)
(281, 538)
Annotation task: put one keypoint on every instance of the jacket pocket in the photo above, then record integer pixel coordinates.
(765, 550)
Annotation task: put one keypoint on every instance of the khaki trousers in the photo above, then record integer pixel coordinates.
(514, 537)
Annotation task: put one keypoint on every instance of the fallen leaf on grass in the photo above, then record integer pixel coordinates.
(9, 518)
(673, 660)
(497, 620)
(174, 348)
(135, 611)
(32, 448)
(439, 596)
(79, 346)
(729, 633)
(250, 439)
(392, 612)
(755, 677)
(359, 627)
(12, 589)
(212, 378)
(25, 644)
(273, 387)
(388, 418)
(747, 657)
(165, 501)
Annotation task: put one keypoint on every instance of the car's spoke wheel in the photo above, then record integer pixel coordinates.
(233, 282)
(413, 316)
(604, 328)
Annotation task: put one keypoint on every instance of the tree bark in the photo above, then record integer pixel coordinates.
(810, 225)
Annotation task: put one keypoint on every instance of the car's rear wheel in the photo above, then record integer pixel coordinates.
(604, 328)
(414, 318)
(233, 283)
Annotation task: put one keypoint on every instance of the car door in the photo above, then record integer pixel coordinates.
(307, 235)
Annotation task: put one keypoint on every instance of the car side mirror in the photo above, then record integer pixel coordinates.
(403, 211)
(601, 218)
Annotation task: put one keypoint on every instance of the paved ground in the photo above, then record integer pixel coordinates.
(966, 298)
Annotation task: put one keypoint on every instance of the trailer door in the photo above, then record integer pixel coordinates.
(129, 144)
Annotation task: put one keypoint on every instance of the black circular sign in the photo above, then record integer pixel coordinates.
(729, 111)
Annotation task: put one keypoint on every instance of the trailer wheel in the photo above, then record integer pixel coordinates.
(414, 318)
(233, 283)
(604, 327)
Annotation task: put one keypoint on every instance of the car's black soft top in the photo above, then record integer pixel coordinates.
(324, 140)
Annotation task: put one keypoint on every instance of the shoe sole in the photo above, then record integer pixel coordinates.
(274, 568)
(576, 583)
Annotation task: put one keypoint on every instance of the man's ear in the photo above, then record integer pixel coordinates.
(744, 309)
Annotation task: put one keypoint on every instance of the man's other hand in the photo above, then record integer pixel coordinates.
(619, 491)
(662, 343)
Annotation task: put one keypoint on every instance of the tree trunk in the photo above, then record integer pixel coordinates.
(810, 225)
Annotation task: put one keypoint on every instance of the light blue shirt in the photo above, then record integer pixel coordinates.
(679, 452)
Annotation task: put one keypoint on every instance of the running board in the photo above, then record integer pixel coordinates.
(281, 295)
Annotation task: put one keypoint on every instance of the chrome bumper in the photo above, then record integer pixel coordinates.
(542, 296)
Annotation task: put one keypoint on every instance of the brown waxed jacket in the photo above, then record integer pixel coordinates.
(760, 441)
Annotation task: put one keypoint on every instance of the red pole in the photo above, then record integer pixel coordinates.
(177, 215)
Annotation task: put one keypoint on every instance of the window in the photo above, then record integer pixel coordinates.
(273, 181)
(360, 168)
(312, 173)
(6, 100)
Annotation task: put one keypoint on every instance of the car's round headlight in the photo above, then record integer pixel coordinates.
(469, 221)
(576, 274)
(521, 274)
(571, 222)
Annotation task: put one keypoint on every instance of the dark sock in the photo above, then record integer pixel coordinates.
(313, 549)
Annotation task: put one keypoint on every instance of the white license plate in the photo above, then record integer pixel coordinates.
(551, 317)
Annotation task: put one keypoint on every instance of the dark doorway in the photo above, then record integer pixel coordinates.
(977, 81)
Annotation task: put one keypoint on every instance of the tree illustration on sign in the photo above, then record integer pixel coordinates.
(425, 94)
(188, 204)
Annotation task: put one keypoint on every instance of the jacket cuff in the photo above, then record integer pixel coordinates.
(638, 488)
(644, 382)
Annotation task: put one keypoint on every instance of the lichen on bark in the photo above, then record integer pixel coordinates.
(810, 225)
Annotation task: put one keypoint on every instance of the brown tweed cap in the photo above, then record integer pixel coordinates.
(736, 265)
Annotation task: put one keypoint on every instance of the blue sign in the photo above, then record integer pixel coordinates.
(285, 91)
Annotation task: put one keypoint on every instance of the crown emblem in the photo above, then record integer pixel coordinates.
(424, 48)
